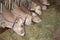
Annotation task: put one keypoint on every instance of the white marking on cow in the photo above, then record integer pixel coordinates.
(37, 8)
(28, 20)
(35, 18)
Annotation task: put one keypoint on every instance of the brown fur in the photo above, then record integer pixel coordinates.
(8, 14)
(3, 30)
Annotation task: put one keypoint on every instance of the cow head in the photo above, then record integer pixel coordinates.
(19, 26)
(36, 8)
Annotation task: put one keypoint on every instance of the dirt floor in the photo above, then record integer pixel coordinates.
(41, 31)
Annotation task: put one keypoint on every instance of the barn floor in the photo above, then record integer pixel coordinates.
(41, 31)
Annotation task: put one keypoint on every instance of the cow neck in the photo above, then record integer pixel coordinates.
(7, 14)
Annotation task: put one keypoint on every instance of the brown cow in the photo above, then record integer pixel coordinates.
(42, 3)
(8, 19)
(24, 14)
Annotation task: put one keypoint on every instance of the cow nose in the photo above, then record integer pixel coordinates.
(22, 32)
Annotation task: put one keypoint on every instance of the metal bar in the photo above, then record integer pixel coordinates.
(0, 7)
(9, 4)
(5, 3)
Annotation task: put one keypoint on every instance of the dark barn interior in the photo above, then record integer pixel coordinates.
(47, 29)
